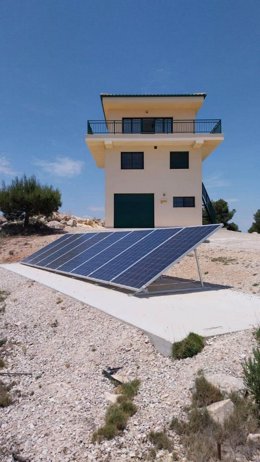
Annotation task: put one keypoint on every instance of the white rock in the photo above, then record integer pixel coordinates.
(55, 224)
(226, 383)
(253, 438)
(72, 222)
(221, 410)
(111, 397)
(120, 378)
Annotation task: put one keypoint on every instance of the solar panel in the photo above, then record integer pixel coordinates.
(130, 259)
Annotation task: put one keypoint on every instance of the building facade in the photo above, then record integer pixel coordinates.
(152, 148)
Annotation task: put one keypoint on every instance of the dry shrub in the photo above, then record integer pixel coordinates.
(205, 393)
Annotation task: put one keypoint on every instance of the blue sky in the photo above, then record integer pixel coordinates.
(57, 56)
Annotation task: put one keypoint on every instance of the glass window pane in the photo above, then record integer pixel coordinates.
(179, 159)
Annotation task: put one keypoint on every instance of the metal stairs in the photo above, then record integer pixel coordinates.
(208, 205)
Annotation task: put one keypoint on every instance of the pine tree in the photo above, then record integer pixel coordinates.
(26, 197)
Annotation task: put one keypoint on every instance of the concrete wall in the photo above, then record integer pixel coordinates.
(157, 178)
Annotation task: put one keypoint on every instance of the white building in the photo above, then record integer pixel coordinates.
(152, 148)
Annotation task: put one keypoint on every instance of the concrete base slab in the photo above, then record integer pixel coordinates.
(166, 318)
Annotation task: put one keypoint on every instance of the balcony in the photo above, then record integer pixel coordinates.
(154, 126)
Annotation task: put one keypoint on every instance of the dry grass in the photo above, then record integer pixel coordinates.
(5, 398)
(200, 435)
(160, 440)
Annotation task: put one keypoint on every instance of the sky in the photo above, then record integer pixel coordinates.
(57, 56)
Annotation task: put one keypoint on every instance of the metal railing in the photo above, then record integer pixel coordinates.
(212, 126)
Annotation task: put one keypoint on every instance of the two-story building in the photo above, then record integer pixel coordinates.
(152, 148)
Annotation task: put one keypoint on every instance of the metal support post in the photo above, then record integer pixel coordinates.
(198, 266)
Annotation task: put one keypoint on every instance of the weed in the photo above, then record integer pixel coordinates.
(224, 260)
(257, 334)
(205, 393)
(128, 407)
(116, 416)
(188, 347)
(2, 363)
(129, 389)
(160, 440)
(255, 284)
(59, 300)
(5, 398)
(3, 295)
(54, 323)
(251, 370)
(3, 341)
(108, 432)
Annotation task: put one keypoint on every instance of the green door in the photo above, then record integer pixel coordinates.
(133, 210)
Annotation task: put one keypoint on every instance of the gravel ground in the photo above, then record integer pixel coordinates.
(65, 345)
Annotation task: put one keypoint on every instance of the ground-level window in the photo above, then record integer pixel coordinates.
(132, 160)
(188, 201)
(179, 159)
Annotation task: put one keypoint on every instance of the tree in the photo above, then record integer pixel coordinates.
(255, 227)
(26, 197)
(223, 215)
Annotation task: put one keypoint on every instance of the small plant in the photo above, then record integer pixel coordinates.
(251, 370)
(257, 334)
(3, 295)
(160, 440)
(224, 260)
(188, 347)
(118, 414)
(205, 393)
(2, 363)
(5, 398)
(129, 389)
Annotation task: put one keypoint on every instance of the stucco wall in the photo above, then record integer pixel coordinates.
(157, 178)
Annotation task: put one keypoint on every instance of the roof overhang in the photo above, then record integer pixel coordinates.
(185, 101)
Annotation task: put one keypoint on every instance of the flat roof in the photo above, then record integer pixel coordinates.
(151, 95)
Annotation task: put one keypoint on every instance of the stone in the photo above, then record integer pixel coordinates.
(253, 438)
(2, 220)
(111, 397)
(55, 224)
(226, 383)
(120, 378)
(221, 410)
(72, 222)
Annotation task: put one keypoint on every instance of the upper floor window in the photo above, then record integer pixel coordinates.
(132, 160)
(147, 125)
(188, 201)
(179, 159)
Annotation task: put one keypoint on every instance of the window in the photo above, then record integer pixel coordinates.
(147, 125)
(184, 201)
(179, 159)
(132, 160)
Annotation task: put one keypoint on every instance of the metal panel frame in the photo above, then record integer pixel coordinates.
(144, 287)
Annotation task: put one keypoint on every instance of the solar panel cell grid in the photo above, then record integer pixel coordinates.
(130, 259)
(108, 254)
(126, 259)
(74, 241)
(92, 251)
(49, 247)
(87, 242)
(159, 259)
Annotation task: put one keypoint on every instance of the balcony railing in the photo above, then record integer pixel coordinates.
(96, 127)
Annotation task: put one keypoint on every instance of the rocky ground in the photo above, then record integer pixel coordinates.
(64, 345)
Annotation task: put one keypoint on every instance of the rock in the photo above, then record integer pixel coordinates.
(253, 438)
(55, 224)
(226, 383)
(2, 220)
(120, 378)
(72, 222)
(111, 397)
(221, 410)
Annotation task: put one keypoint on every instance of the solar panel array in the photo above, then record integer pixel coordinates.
(130, 259)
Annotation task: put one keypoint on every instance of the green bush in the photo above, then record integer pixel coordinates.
(129, 389)
(26, 197)
(116, 416)
(205, 393)
(188, 347)
(252, 375)
(160, 440)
